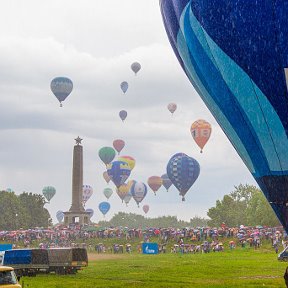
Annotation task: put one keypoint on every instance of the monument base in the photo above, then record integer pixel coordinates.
(80, 218)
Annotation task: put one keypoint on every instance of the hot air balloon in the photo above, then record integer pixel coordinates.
(129, 160)
(155, 182)
(107, 192)
(48, 192)
(183, 171)
(138, 191)
(201, 131)
(127, 197)
(60, 216)
(166, 182)
(123, 115)
(118, 145)
(122, 191)
(145, 208)
(104, 207)
(90, 211)
(124, 86)
(87, 192)
(107, 154)
(119, 172)
(106, 177)
(135, 67)
(61, 88)
(237, 62)
(172, 107)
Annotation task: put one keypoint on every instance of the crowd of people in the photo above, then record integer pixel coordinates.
(185, 240)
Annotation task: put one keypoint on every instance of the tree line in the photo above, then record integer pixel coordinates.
(23, 211)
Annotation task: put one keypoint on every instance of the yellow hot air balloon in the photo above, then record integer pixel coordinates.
(129, 160)
(123, 190)
(201, 131)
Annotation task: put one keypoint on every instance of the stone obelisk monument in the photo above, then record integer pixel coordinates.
(76, 213)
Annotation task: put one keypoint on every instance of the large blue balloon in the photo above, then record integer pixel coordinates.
(61, 88)
(183, 171)
(119, 172)
(235, 54)
(104, 207)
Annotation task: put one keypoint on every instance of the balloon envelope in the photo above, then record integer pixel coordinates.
(124, 86)
(123, 190)
(90, 211)
(118, 145)
(106, 177)
(87, 192)
(135, 67)
(60, 215)
(183, 171)
(238, 65)
(107, 192)
(123, 114)
(104, 207)
(155, 182)
(49, 192)
(145, 208)
(138, 191)
(107, 154)
(61, 88)
(201, 131)
(119, 172)
(166, 182)
(172, 107)
(129, 160)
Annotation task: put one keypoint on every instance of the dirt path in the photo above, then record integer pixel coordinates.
(99, 257)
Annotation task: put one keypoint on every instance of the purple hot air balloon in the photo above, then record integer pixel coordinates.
(123, 115)
(166, 182)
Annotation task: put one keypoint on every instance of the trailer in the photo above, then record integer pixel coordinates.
(67, 260)
(27, 262)
(30, 262)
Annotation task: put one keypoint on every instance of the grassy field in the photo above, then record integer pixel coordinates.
(236, 268)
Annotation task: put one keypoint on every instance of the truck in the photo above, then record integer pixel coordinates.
(8, 278)
(30, 262)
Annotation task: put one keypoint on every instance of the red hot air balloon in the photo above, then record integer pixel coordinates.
(201, 131)
(146, 208)
(172, 107)
(118, 145)
(155, 182)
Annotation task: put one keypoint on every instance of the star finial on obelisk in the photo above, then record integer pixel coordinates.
(78, 140)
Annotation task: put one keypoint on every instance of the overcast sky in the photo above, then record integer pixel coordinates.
(94, 42)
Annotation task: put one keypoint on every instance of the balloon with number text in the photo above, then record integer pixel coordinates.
(201, 131)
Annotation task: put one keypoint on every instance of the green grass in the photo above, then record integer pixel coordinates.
(237, 268)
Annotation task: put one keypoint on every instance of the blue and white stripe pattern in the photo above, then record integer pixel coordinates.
(235, 55)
